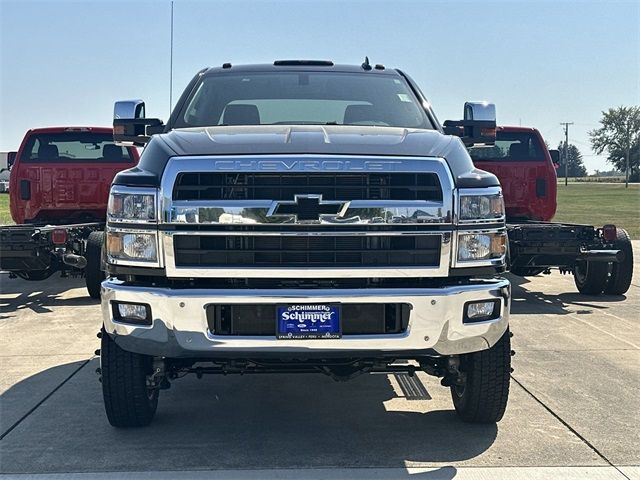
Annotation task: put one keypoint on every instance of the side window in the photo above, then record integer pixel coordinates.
(34, 151)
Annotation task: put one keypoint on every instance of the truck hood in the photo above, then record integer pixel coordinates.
(305, 140)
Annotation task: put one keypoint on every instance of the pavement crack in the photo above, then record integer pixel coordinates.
(569, 427)
(46, 397)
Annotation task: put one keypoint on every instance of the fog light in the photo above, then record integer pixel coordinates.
(481, 311)
(136, 313)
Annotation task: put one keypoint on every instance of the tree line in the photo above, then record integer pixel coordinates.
(618, 136)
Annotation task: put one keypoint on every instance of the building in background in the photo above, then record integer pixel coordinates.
(4, 172)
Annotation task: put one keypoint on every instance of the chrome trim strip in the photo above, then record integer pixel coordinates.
(317, 233)
(257, 212)
(307, 272)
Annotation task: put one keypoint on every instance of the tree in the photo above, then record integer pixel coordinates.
(576, 166)
(619, 135)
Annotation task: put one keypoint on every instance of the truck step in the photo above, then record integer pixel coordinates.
(412, 387)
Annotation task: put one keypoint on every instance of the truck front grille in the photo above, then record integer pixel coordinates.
(311, 251)
(306, 216)
(356, 319)
(284, 186)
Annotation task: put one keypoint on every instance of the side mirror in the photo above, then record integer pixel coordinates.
(11, 159)
(130, 127)
(127, 109)
(478, 127)
(555, 158)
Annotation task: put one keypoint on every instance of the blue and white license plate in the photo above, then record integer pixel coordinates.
(308, 321)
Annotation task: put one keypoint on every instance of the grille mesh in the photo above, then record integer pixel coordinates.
(283, 186)
(313, 251)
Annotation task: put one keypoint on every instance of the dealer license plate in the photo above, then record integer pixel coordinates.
(308, 321)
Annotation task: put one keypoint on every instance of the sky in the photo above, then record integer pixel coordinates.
(540, 62)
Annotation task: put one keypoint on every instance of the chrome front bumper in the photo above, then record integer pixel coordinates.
(179, 323)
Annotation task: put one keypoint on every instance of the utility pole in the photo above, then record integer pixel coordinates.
(566, 151)
(628, 154)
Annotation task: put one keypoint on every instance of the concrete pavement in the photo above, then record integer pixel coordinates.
(573, 410)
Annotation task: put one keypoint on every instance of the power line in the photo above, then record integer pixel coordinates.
(566, 151)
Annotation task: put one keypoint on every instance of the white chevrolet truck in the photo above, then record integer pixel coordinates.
(301, 217)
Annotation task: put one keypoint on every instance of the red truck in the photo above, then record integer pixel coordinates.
(600, 258)
(59, 186)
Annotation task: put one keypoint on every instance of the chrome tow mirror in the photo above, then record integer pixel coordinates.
(478, 127)
(130, 126)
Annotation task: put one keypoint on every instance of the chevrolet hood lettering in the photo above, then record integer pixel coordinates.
(304, 165)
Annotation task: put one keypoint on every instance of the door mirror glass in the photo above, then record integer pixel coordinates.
(555, 157)
(127, 109)
(480, 111)
(11, 159)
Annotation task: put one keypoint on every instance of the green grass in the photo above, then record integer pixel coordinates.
(5, 216)
(586, 203)
(597, 204)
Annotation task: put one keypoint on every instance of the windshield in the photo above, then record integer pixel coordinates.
(303, 98)
(511, 147)
(73, 146)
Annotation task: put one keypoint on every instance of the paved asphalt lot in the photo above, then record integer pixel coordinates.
(573, 411)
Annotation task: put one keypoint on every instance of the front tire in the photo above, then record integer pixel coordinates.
(128, 400)
(93, 273)
(591, 277)
(621, 273)
(483, 396)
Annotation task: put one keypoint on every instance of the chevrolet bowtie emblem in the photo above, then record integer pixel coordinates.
(308, 208)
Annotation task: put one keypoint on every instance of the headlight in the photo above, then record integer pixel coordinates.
(481, 207)
(473, 247)
(136, 247)
(132, 205)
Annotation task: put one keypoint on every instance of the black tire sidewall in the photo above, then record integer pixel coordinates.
(595, 280)
(93, 272)
(621, 273)
(486, 390)
(127, 401)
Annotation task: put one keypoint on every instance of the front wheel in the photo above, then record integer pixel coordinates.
(129, 400)
(482, 396)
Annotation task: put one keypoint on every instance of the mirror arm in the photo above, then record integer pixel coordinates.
(472, 132)
(136, 131)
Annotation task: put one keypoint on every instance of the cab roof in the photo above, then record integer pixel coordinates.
(302, 65)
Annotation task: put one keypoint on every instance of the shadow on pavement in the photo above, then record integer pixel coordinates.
(525, 301)
(251, 422)
(40, 296)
